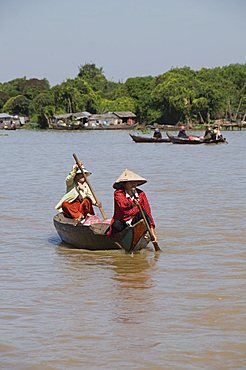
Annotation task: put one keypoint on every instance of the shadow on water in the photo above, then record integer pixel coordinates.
(118, 260)
(55, 240)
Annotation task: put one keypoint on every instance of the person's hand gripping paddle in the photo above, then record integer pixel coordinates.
(88, 183)
(152, 236)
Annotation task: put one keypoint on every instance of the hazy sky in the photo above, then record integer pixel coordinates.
(127, 38)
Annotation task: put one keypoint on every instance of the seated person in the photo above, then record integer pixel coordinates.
(182, 133)
(208, 133)
(216, 134)
(126, 200)
(78, 201)
(157, 134)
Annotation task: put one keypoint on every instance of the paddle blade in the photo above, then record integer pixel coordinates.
(156, 246)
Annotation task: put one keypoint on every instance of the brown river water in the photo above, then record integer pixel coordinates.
(184, 308)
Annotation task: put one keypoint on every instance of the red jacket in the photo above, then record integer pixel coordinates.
(124, 208)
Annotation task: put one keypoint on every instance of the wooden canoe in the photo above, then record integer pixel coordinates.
(66, 126)
(144, 139)
(179, 140)
(94, 237)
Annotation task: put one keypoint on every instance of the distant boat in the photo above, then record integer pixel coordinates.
(181, 140)
(66, 126)
(93, 237)
(81, 126)
(119, 126)
(144, 139)
(194, 140)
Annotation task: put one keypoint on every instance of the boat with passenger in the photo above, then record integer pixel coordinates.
(194, 140)
(145, 139)
(93, 236)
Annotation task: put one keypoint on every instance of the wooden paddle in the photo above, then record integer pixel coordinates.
(88, 183)
(155, 244)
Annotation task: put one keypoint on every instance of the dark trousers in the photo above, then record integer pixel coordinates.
(119, 225)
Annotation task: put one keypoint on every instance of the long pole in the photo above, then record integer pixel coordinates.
(154, 242)
(88, 183)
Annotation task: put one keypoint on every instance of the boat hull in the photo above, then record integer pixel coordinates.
(218, 141)
(178, 140)
(123, 126)
(94, 237)
(142, 139)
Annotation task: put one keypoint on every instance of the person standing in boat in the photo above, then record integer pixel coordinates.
(78, 201)
(182, 133)
(126, 199)
(157, 134)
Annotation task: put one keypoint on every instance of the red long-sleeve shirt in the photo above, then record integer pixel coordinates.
(124, 208)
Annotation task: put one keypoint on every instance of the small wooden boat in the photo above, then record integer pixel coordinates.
(144, 139)
(195, 140)
(93, 237)
(181, 140)
(119, 126)
(66, 126)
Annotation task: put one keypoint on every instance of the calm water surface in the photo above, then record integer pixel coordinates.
(62, 308)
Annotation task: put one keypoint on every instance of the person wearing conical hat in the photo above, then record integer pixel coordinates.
(126, 198)
(78, 201)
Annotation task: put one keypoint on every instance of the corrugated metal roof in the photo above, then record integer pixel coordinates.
(75, 115)
(82, 114)
(124, 114)
(102, 116)
(5, 115)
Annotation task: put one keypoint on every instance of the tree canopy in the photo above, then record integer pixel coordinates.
(180, 94)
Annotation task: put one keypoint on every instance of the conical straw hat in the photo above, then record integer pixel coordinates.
(128, 176)
(86, 172)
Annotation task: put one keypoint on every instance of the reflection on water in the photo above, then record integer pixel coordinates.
(184, 308)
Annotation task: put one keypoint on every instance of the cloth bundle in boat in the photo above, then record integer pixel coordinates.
(95, 219)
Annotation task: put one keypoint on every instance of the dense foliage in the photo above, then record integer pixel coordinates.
(179, 95)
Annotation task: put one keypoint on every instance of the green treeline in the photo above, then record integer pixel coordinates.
(178, 95)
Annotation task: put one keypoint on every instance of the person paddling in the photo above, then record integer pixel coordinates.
(78, 201)
(127, 199)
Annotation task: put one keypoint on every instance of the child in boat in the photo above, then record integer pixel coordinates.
(78, 201)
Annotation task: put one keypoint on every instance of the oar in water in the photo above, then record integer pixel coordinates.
(152, 237)
(88, 183)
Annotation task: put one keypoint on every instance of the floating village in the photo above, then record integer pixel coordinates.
(106, 121)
